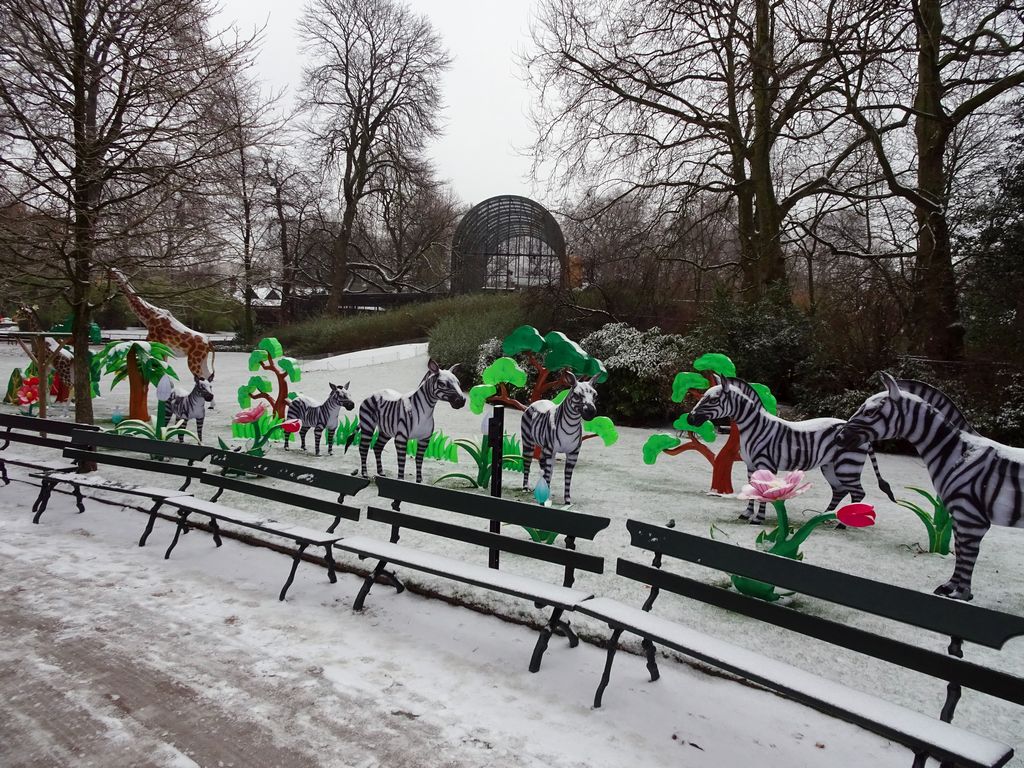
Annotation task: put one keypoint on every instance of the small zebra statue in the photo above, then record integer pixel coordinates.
(768, 442)
(979, 480)
(406, 417)
(319, 416)
(557, 429)
(186, 405)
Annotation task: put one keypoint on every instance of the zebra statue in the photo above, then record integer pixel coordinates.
(768, 442)
(182, 406)
(319, 416)
(557, 429)
(978, 479)
(406, 417)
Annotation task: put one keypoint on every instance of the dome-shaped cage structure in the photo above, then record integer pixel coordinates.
(505, 243)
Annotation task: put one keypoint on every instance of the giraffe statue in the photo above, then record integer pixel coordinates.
(167, 329)
(62, 359)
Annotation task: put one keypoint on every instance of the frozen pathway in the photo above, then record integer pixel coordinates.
(111, 656)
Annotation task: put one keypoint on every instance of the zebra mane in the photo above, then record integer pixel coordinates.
(746, 390)
(940, 401)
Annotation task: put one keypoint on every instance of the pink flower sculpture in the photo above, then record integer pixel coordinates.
(766, 486)
(858, 515)
(28, 392)
(291, 426)
(250, 415)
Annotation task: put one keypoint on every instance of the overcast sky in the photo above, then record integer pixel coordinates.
(486, 102)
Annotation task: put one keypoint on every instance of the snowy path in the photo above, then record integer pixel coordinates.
(111, 656)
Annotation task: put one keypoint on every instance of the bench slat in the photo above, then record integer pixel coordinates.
(892, 721)
(170, 448)
(149, 465)
(552, 554)
(284, 528)
(29, 439)
(48, 426)
(490, 508)
(938, 614)
(326, 506)
(296, 473)
(939, 665)
(478, 575)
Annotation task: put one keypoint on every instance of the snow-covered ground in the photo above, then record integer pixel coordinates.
(529, 718)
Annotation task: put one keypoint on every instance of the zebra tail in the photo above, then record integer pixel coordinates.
(883, 486)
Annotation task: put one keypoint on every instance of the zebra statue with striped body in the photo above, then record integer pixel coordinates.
(557, 429)
(406, 417)
(184, 406)
(319, 416)
(769, 442)
(979, 480)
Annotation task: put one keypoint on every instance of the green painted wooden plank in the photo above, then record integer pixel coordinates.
(300, 500)
(547, 552)
(563, 521)
(938, 614)
(286, 470)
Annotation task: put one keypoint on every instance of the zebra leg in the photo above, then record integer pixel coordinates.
(401, 448)
(421, 450)
(302, 436)
(317, 432)
(364, 449)
(547, 464)
(287, 439)
(968, 543)
(199, 431)
(570, 465)
(748, 513)
(330, 440)
(527, 449)
(378, 451)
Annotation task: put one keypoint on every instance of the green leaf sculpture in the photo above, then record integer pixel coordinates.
(684, 382)
(715, 362)
(525, 338)
(478, 397)
(705, 431)
(656, 444)
(604, 428)
(504, 370)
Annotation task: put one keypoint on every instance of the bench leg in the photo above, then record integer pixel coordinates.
(332, 575)
(920, 758)
(182, 528)
(215, 530)
(42, 500)
(377, 573)
(652, 658)
(3, 472)
(613, 646)
(291, 573)
(334, 525)
(542, 641)
(150, 522)
(563, 629)
(78, 498)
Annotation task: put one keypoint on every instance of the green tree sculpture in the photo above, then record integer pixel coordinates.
(698, 438)
(142, 363)
(269, 356)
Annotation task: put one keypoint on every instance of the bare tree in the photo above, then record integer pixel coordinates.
(933, 71)
(696, 97)
(106, 100)
(371, 93)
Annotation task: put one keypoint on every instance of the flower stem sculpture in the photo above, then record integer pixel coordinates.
(938, 523)
(765, 486)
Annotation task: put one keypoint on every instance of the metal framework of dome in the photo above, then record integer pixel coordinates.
(505, 243)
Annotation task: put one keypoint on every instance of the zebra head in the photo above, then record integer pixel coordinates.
(203, 388)
(445, 384)
(339, 396)
(881, 417)
(582, 395)
(723, 402)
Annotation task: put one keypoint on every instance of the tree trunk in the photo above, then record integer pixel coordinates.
(935, 310)
(138, 390)
(339, 260)
(80, 321)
